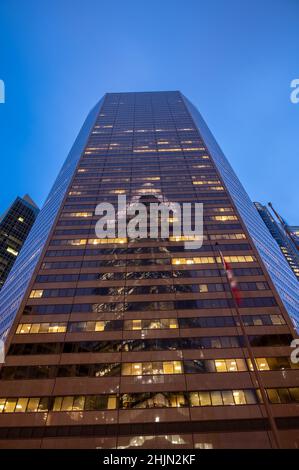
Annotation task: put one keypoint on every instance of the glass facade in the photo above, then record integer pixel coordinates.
(12, 294)
(286, 245)
(127, 342)
(15, 226)
(281, 275)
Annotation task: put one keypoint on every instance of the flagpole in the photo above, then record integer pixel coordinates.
(251, 356)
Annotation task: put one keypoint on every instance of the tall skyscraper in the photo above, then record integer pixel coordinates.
(284, 241)
(15, 224)
(131, 343)
(294, 229)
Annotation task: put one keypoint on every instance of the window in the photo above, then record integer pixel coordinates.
(216, 398)
(30, 328)
(152, 368)
(222, 398)
(76, 214)
(163, 323)
(220, 366)
(76, 242)
(12, 251)
(239, 397)
(210, 259)
(228, 397)
(36, 294)
(197, 260)
(10, 405)
(101, 241)
(228, 236)
(224, 218)
(33, 404)
(262, 364)
(277, 320)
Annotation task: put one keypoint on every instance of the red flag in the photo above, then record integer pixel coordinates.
(232, 280)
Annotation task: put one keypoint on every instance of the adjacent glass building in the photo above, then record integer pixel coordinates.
(138, 343)
(286, 244)
(15, 225)
(294, 230)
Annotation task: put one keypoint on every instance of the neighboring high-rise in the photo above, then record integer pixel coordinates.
(139, 343)
(283, 237)
(15, 225)
(294, 230)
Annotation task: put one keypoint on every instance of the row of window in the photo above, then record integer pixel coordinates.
(150, 305)
(183, 189)
(109, 163)
(149, 261)
(146, 400)
(140, 246)
(145, 290)
(116, 369)
(90, 223)
(136, 275)
(149, 324)
(138, 249)
(164, 344)
(216, 236)
(147, 275)
(211, 259)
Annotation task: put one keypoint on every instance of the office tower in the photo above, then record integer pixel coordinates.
(294, 230)
(131, 343)
(280, 235)
(15, 224)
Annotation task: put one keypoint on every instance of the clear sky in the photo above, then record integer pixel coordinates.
(234, 59)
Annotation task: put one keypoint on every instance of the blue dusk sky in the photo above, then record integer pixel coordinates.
(233, 59)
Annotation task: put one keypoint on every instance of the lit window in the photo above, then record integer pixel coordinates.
(100, 241)
(201, 182)
(33, 404)
(111, 404)
(23, 328)
(77, 242)
(204, 398)
(239, 397)
(2, 404)
(100, 326)
(231, 365)
(12, 251)
(172, 367)
(277, 320)
(216, 398)
(35, 328)
(118, 191)
(224, 218)
(183, 238)
(203, 288)
(59, 328)
(173, 323)
(220, 365)
(21, 219)
(197, 260)
(67, 403)
(77, 214)
(136, 324)
(21, 405)
(237, 259)
(78, 404)
(10, 405)
(36, 294)
(262, 364)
